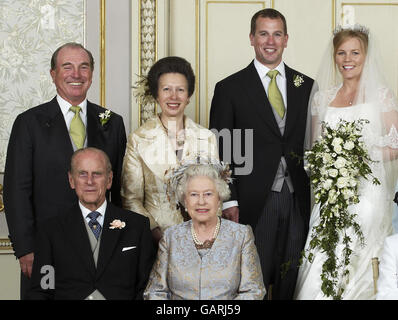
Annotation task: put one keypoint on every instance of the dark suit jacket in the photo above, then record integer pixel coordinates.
(62, 242)
(36, 183)
(240, 102)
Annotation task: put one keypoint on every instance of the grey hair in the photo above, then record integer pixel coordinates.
(206, 170)
(108, 164)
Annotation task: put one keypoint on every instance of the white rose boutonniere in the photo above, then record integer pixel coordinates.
(117, 224)
(298, 80)
(105, 116)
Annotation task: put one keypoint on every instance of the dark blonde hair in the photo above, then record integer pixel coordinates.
(342, 36)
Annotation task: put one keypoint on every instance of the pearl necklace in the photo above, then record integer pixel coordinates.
(215, 233)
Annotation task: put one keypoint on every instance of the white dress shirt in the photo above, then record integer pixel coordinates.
(101, 210)
(262, 71)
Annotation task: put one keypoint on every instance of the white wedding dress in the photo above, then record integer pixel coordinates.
(374, 213)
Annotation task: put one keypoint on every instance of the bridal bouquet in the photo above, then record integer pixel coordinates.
(337, 161)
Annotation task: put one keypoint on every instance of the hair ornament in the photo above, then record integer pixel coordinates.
(141, 91)
(355, 27)
(175, 174)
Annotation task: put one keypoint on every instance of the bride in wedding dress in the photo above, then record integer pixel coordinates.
(351, 88)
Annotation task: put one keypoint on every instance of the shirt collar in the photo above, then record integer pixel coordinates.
(100, 210)
(65, 105)
(263, 70)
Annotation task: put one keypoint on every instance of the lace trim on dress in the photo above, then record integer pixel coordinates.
(388, 101)
(391, 139)
(323, 98)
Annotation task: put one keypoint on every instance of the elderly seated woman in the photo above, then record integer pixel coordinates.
(206, 257)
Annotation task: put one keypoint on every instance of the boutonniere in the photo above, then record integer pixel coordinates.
(298, 80)
(105, 116)
(117, 224)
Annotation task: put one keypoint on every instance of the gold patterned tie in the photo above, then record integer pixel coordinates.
(77, 130)
(274, 95)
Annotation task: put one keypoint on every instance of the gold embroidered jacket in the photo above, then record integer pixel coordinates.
(149, 154)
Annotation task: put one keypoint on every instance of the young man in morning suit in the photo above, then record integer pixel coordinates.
(94, 250)
(274, 198)
(41, 143)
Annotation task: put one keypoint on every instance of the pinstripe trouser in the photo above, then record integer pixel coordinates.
(280, 236)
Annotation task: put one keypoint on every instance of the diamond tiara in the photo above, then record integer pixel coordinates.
(356, 27)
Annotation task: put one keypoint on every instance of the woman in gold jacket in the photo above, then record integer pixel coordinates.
(161, 143)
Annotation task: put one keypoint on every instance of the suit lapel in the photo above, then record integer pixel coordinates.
(109, 239)
(293, 101)
(77, 233)
(258, 97)
(95, 132)
(58, 136)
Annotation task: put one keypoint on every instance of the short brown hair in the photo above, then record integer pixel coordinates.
(72, 45)
(170, 65)
(267, 13)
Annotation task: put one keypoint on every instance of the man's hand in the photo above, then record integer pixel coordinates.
(231, 213)
(26, 263)
(156, 234)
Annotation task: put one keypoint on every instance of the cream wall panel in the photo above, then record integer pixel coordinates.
(224, 44)
(9, 276)
(92, 42)
(309, 25)
(184, 31)
(117, 55)
(118, 38)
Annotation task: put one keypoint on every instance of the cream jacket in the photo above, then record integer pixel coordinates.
(149, 154)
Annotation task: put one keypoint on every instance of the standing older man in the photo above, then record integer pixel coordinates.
(41, 143)
(93, 250)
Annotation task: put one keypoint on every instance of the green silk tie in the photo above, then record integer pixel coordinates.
(77, 130)
(274, 95)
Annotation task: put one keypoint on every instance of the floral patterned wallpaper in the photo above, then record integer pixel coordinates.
(30, 31)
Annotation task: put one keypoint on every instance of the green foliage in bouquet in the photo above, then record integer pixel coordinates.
(337, 162)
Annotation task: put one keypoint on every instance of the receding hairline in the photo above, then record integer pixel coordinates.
(104, 156)
(75, 45)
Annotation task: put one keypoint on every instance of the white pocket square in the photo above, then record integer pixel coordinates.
(128, 248)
